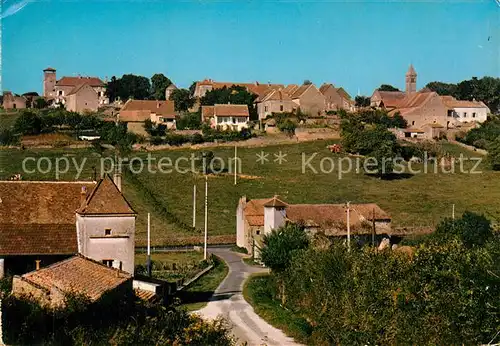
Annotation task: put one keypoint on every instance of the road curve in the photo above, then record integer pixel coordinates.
(229, 303)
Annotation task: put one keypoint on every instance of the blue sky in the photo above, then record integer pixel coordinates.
(357, 45)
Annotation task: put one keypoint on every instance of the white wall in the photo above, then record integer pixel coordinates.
(481, 114)
(273, 219)
(240, 224)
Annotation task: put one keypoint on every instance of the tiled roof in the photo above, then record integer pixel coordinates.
(207, 111)
(300, 90)
(140, 110)
(325, 86)
(290, 89)
(274, 95)
(231, 110)
(24, 202)
(38, 239)
(344, 93)
(452, 102)
(79, 87)
(391, 98)
(256, 87)
(275, 202)
(315, 215)
(416, 99)
(78, 275)
(145, 295)
(74, 81)
(105, 199)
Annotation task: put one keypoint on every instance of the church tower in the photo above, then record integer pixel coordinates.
(411, 81)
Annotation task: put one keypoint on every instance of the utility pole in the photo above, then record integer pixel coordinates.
(348, 226)
(373, 229)
(194, 205)
(453, 212)
(235, 164)
(206, 217)
(149, 245)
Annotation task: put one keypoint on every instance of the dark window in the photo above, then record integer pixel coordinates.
(14, 106)
(60, 92)
(281, 108)
(257, 232)
(99, 94)
(413, 123)
(474, 115)
(107, 231)
(107, 262)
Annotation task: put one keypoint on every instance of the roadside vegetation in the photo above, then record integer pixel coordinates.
(172, 265)
(443, 289)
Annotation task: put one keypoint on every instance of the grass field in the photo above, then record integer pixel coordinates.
(7, 119)
(420, 199)
(172, 265)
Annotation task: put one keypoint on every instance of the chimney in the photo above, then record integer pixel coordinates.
(37, 264)
(158, 104)
(117, 179)
(83, 195)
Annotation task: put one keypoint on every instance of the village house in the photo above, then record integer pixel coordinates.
(466, 111)
(308, 98)
(234, 117)
(11, 101)
(169, 90)
(44, 222)
(257, 217)
(76, 275)
(274, 101)
(336, 98)
(135, 112)
(58, 91)
(206, 85)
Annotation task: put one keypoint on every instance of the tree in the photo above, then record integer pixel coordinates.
(307, 82)
(112, 89)
(28, 123)
(40, 103)
(233, 95)
(182, 99)
(494, 154)
(362, 101)
(159, 83)
(472, 229)
(192, 89)
(387, 87)
(129, 86)
(189, 121)
(287, 126)
(442, 88)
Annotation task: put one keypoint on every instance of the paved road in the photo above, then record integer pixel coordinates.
(228, 302)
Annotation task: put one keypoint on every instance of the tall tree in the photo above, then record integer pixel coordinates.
(128, 86)
(387, 87)
(182, 99)
(159, 83)
(362, 101)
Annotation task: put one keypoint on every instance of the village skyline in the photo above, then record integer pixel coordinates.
(191, 41)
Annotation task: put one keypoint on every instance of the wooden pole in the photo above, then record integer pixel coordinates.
(206, 218)
(373, 229)
(235, 164)
(149, 245)
(194, 206)
(453, 212)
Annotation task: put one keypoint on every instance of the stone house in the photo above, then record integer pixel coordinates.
(11, 101)
(136, 112)
(59, 90)
(255, 218)
(82, 98)
(234, 117)
(45, 222)
(274, 101)
(169, 90)
(308, 98)
(466, 111)
(76, 275)
(336, 98)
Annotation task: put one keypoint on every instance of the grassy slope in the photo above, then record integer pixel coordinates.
(423, 199)
(7, 119)
(256, 292)
(197, 295)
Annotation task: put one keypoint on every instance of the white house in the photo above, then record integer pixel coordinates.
(466, 111)
(235, 117)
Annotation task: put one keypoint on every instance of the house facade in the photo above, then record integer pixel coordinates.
(234, 117)
(274, 101)
(11, 101)
(59, 90)
(257, 217)
(466, 111)
(309, 99)
(136, 112)
(46, 222)
(336, 98)
(206, 85)
(83, 98)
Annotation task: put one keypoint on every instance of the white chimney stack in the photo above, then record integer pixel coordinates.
(117, 179)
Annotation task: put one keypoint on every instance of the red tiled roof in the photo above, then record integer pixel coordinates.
(207, 111)
(145, 295)
(231, 110)
(38, 239)
(78, 275)
(38, 202)
(140, 110)
(274, 95)
(452, 102)
(256, 87)
(79, 87)
(391, 99)
(105, 199)
(299, 91)
(74, 81)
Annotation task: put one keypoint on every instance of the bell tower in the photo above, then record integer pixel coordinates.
(49, 81)
(411, 81)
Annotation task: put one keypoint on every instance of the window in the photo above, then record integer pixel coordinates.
(281, 108)
(99, 94)
(265, 108)
(465, 114)
(413, 123)
(257, 232)
(108, 262)
(14, 106)
(60, 92)
(474, 114)
(107, 232)
(234, 120)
